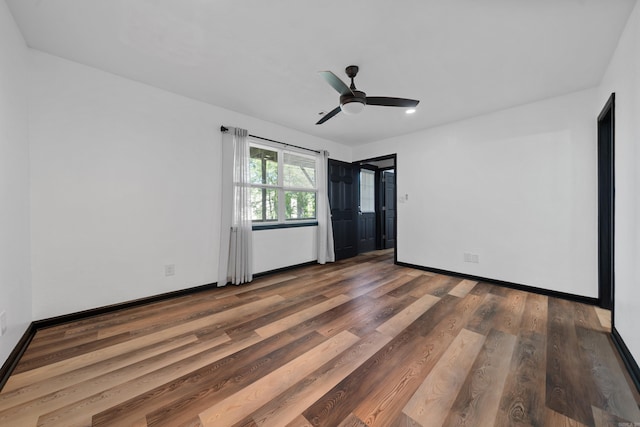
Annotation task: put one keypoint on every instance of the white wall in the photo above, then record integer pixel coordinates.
(125, 179)
(623, 78)
(517, 187)
(294, 246)
(15, 281)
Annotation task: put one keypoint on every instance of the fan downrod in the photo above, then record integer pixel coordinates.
(351, 71)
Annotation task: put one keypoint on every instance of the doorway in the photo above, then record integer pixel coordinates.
(606, 194)
(377, 204)
(363, 205)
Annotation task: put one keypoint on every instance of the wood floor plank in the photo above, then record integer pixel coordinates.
(607, 419)
(299, 317)
(391, 285)
(164, 404)
(73, 363)
(436, 328)
(25, 413)
(586, 317)
(437, 285)
(432, 401)
(484, 317)
(462, 289)
(51, 385)
(379, 314)
(534, 318)
(403, 319)
(373, 284)
(80, 412)
(567, 373)
(479, 398)
(352, 421)
(613, 395)
(510, 315)
(258, 354)
(172, 315)
(300, 421)
(275, 312)
(286, 408)
(403, 420)
(523, 396)
(258, 393)
(604, 317)
(412, 366)
(555, 419)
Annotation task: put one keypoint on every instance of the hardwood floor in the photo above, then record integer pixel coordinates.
(354, 343)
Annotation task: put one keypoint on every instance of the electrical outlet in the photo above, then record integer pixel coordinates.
(3, 322)
(471, 258)
(169, 269)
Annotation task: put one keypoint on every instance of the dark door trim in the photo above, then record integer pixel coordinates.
(606, 205)
(367, 221)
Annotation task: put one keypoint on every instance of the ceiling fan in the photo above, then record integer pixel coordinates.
(352, 101)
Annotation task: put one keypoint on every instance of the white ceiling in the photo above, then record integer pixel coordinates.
(460, 58)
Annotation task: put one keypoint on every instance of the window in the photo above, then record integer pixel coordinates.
(283, 185)
(367, 191)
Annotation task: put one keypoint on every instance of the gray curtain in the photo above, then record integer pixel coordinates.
(325, 229)
(236, 241)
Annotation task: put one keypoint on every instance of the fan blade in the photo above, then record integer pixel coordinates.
(335, 82)
(391, 102)
(329, 115)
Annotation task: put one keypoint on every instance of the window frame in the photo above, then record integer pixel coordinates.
(372, 199)
(281, 221)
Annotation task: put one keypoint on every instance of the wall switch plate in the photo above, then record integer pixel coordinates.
(169, 269)
(3, 322)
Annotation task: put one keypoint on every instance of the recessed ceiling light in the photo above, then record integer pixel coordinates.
(410, 111)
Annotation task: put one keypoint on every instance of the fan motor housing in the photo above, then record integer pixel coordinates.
(353, 104)
(358, 96)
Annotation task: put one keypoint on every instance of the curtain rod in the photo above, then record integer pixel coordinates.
(224, 129)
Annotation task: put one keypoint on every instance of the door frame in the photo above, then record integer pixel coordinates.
(606, 205)
(380, 194)
(376, 171)
(393, 157)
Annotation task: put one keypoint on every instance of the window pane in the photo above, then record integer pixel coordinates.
(299, 171)
(263, 166)
(300, 204)
(367, 191)
(264, 204)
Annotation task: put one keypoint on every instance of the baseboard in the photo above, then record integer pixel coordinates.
(526, 288)
(79, 315)
(13, 359)
(627, 357)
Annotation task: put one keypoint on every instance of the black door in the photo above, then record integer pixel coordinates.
(367, 210)
(389, 209)
(606, 204)
(342, 200)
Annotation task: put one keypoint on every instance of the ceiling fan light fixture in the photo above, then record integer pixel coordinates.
(353, 101)
(353, 106)
(410, 111)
